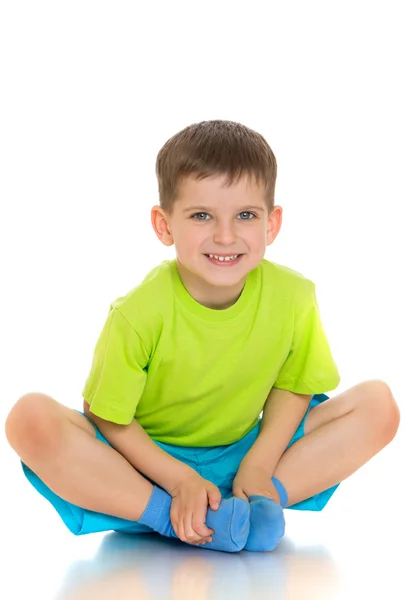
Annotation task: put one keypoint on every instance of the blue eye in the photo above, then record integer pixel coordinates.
(242, 213)
(196, 214)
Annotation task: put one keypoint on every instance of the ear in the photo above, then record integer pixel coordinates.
(161, 226)
(274, 224)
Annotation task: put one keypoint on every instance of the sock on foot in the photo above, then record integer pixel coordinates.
(281, 490)
(231, 522)
(267, 524)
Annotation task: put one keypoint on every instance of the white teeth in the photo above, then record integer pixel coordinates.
(223, 258)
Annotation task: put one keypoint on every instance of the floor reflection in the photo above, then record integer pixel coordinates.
(151, 567)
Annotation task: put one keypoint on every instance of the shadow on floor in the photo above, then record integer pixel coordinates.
(150, 567)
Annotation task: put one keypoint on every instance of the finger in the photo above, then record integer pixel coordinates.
(203, 533)
(205, 540)
(180, 524)
(192, 536)
(238, 493)
(175, 522)
(214, 497)
(199, 522)
(180, 528)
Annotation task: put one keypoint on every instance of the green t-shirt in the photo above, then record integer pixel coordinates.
(196, 376)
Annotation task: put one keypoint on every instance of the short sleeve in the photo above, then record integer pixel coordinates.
(117, 377)
(309, 367)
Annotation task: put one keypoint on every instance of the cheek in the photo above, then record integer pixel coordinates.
(189, 240)
(193, 237)
(258, 240)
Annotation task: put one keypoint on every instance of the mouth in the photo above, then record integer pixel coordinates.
(225, 260)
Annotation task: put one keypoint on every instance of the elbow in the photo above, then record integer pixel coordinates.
(87, 413)
(105, 427)
(86, 409)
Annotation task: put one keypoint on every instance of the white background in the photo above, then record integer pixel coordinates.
(90, 91)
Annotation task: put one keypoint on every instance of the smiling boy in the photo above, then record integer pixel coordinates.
(171, 439)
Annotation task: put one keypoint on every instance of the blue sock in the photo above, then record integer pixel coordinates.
(231, 522)
(280, 489)
(267, 524)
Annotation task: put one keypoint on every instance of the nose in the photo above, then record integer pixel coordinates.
(224, 233)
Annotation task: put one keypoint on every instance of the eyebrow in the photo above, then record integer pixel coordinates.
(207, 208)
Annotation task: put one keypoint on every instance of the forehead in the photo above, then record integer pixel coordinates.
(215, 189)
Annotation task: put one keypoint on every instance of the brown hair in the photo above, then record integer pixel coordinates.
(211, 148)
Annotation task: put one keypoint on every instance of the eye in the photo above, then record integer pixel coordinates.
(242, 213)
(196, 214)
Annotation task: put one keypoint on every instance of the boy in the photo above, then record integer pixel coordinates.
(171, 438)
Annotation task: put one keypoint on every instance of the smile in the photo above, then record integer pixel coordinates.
(224, 261)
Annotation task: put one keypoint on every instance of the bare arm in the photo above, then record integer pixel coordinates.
(134, 444)
(283, 411)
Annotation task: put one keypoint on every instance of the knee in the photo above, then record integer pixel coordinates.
(383, 410)
(32, 423)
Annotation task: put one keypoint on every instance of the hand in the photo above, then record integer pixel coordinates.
(254, 481)
(189, 507)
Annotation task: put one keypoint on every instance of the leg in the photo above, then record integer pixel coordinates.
(341, 435)
(60, 446)
(93, 487)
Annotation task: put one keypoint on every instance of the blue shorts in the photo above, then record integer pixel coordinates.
(218, 464)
